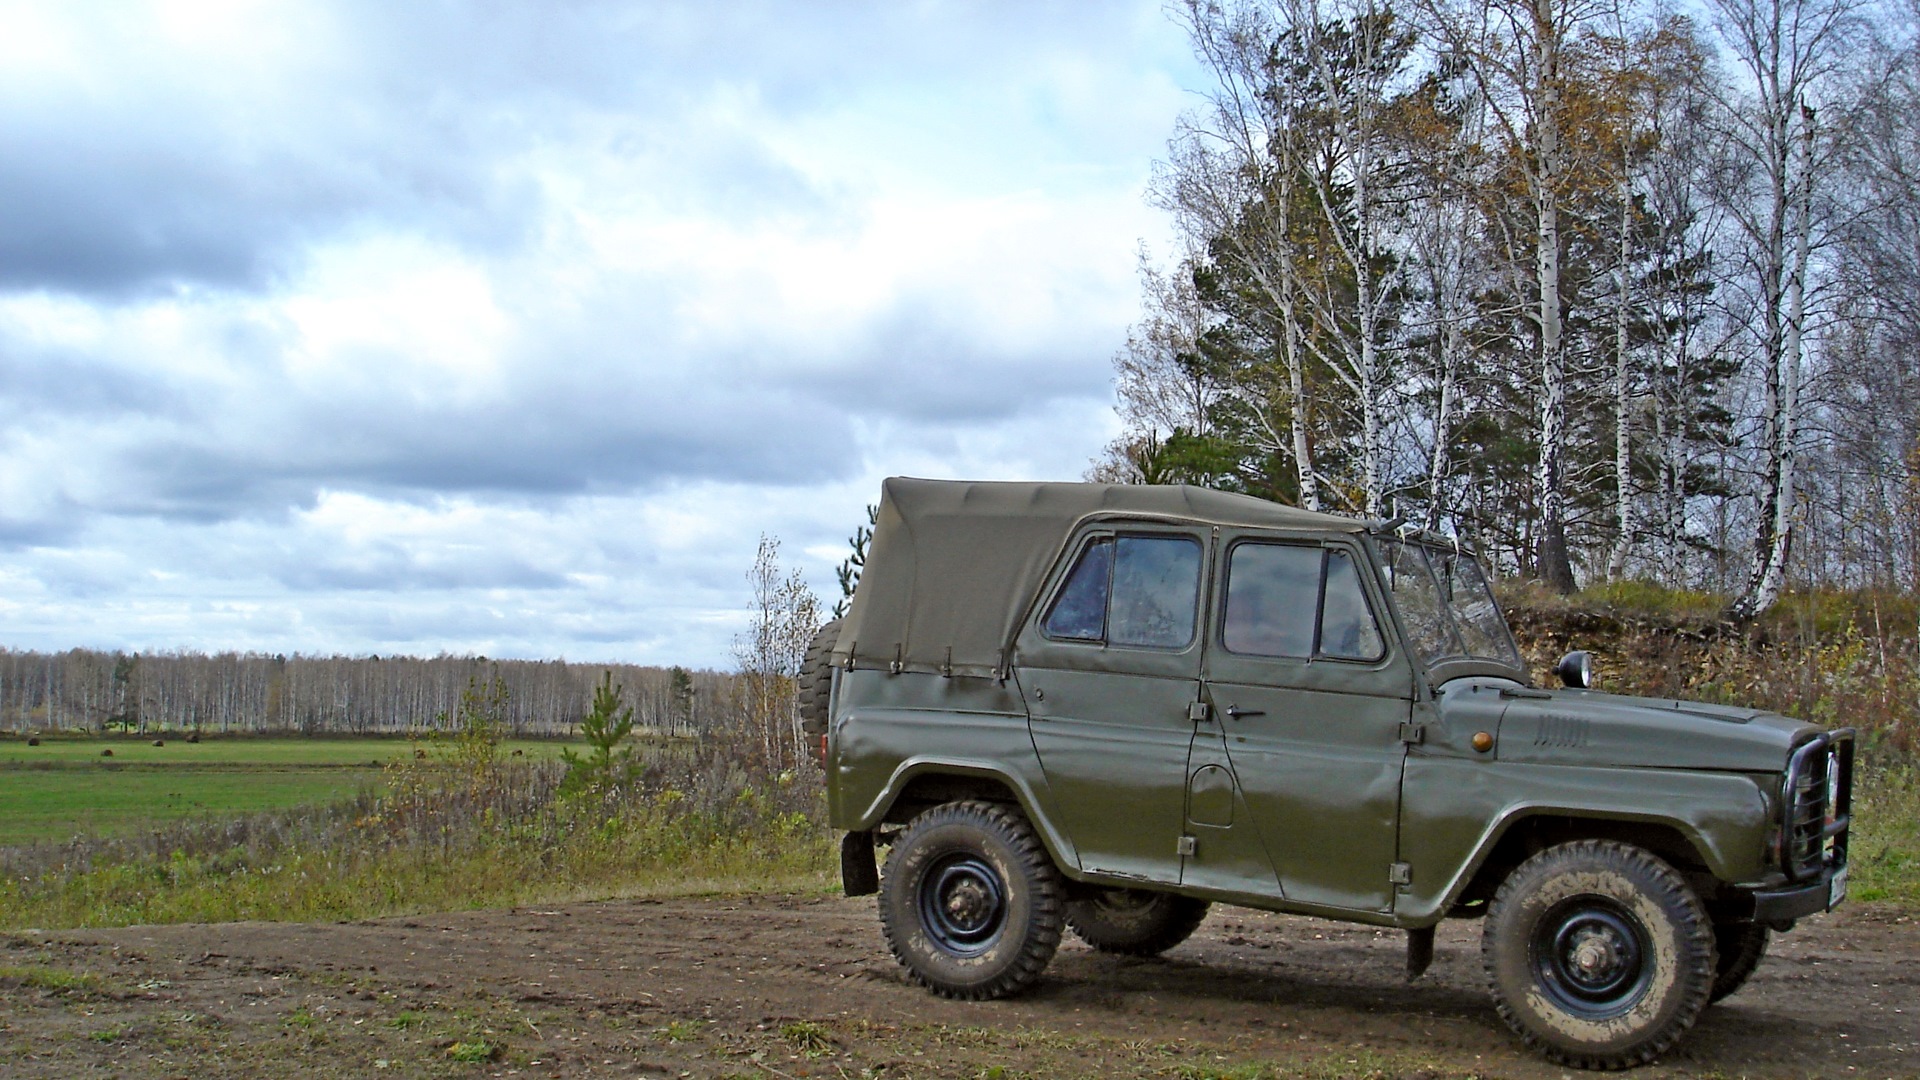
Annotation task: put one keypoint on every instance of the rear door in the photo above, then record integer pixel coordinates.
(1110, 667)
(1310, 693)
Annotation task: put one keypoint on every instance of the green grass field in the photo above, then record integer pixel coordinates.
(65, 787)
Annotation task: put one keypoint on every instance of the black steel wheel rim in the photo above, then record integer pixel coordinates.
(1592, 957)
(963, 904)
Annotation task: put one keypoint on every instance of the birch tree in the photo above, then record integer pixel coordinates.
(784, 616)
(1355, 54)
(1519, 52)
(1233, 184)
(1783, 55)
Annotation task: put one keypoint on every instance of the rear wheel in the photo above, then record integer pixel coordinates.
(1135, 922)
(1598, 954)
(1740, 947)
(970, 902)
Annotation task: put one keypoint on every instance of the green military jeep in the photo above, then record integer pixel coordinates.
(1107, 707)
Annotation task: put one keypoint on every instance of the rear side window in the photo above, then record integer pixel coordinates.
(1297, 601)
(1141, 591)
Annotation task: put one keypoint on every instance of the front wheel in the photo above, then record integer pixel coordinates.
(1598, 954)
(1740, 947)
(970, 903)
(1135, 922)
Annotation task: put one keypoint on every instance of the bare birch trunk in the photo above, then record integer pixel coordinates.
(1622, 398)
(1297, 406)
(1774, 539)
(1554, 566)
(1437, 464)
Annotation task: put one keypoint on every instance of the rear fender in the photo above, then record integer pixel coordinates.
(924, 781)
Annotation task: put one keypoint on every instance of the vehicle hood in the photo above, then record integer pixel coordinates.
(1586, 727)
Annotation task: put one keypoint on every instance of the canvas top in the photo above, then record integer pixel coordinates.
(954, 563)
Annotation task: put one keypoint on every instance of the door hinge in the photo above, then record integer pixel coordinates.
(1184, 846)
(1198, 712)
(1413, 734)
(1400, 874)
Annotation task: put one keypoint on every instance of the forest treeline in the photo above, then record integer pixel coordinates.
(1611, 289)
(87, 690)
(753, 710)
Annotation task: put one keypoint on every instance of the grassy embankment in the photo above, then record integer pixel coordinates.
(446, 833)
(463, 827)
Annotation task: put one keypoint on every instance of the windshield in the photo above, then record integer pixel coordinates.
(1447, 606)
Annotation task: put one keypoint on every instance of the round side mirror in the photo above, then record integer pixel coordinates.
(1576, 669)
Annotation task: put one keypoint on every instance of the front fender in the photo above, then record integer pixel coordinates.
(1455, 813)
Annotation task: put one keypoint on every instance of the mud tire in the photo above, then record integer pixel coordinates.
(1739, 948)
(1134, 922)
(816, 680)
(970, 903)
(1598, 954)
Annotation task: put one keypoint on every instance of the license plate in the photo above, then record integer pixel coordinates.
(1837, 891)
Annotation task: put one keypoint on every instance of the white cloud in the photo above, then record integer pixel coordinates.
(344, 326)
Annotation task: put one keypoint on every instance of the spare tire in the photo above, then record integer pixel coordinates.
(816, 680)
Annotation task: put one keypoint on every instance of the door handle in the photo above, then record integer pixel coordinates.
(1236, 712)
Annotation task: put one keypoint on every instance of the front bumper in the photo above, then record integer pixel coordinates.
(1821, 893)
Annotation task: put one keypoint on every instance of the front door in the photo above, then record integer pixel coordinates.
(1310, 696)
(1110, 667)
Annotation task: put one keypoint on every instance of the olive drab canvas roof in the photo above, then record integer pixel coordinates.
(954, 564)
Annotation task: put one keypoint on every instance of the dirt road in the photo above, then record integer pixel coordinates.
(795, 986)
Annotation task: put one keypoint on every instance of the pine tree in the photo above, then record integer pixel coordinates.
(604, 767)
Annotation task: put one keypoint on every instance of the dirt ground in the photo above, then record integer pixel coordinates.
(771, 986)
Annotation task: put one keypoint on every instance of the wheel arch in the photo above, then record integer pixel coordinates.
(919, 784)
(1526, 831)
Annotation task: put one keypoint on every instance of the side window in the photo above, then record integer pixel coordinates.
(1279, 595)
(1130, 590)
(1080, 614)
(1271, 596)
(1156, 591)
(1347, 629)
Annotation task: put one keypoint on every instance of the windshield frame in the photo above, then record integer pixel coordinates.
(1466, 659)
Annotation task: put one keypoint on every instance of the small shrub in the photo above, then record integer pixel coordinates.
(807, 1037)
(474, 1052)
(678, 1031)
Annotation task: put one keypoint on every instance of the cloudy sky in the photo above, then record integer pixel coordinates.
(364, 327)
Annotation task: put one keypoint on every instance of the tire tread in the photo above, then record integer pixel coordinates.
(1184, 916)
(1693, 926)
(816, 680)
(1049, 899)
(1739, 947)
